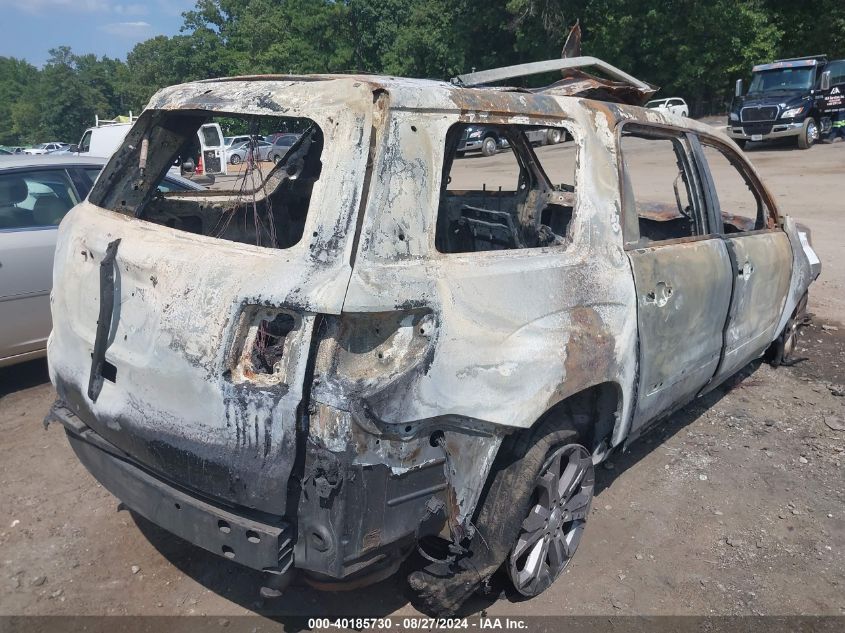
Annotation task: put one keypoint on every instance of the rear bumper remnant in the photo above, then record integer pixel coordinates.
(251, 542)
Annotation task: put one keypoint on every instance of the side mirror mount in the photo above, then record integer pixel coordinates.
(738, 88)
(825, 83)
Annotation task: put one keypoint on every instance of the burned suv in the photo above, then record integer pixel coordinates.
(370, 347)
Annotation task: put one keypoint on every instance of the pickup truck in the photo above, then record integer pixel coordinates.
(370, 347)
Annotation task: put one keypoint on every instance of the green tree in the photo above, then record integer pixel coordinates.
(686, 47)
(15, 76)
(68, 104)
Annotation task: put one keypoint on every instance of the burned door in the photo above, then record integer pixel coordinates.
(761, 257)
(682, 273)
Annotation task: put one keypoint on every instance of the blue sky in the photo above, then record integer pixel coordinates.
(29, 28)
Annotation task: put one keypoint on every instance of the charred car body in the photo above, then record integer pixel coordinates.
(376, 356)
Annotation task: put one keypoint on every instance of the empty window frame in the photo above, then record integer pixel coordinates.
(496, 194)
(263, 200)
(660, 187)
(741, 206)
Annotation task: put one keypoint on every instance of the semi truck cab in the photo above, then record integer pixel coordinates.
(783, 101)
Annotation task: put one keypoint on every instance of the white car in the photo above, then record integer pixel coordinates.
(45, 148)
(675, 105)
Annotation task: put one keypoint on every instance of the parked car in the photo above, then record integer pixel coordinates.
(260, 151)
(67, 150)
(232, 142)
(35, 194)
(488, 140)
(271, 138)
(376, 348)
(45, 148)
(281, 144)
(236, 140)
(675, 105)
(5, 152)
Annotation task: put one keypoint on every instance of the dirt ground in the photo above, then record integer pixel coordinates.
(736, 505)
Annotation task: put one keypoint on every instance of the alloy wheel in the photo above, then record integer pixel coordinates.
(551, 532)
(812, 132)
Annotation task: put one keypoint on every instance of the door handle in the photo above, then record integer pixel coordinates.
(746, 271)
(659, 296)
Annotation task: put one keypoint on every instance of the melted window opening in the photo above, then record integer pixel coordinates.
(264, 169)
(497, 193)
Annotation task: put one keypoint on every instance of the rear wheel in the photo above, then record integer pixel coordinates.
(809, 134)
(780, 352)
(553, 136)
(235, 160)
(551, 532)
(741, 142)
(488, 146)
(530, 466)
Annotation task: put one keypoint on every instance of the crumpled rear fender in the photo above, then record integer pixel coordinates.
(806, 268)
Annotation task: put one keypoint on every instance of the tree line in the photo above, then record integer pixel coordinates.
(689, 48)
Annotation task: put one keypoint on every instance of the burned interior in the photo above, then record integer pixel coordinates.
(269, 206)
(527, 210)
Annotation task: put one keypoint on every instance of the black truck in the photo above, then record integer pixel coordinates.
(786, 99)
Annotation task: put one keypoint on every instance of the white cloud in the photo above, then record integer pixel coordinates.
(127, 29)
(130, 9)
(75, 6)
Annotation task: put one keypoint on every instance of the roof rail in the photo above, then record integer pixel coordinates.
(535, 68)
(801, 59)
(98, 122)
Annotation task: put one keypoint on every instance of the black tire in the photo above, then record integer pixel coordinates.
(235, 159)
(551, 530)
(460, 154)
(506, 502)
(741, 142)
(553, 136)
(489, 146)
(781, 351)
(809, 134)
(276, 158)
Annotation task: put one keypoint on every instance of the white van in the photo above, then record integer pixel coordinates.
(107, 135)
(212, 149)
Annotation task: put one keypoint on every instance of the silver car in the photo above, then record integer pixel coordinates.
(260, 151)
(35, 194)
